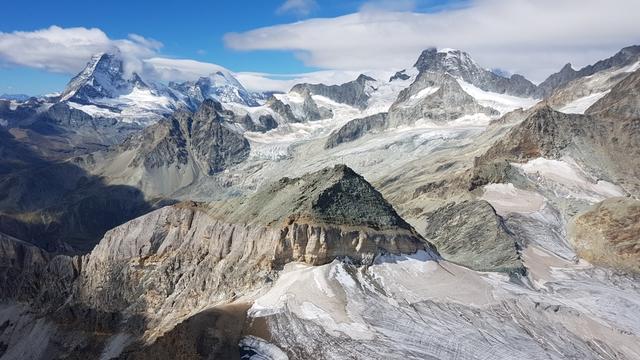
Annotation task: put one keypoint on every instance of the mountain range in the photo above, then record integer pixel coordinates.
(445, 211)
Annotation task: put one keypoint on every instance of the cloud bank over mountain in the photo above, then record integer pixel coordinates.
(547, 34)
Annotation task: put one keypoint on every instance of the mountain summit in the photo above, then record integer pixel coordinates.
(103, 77)
(460, 65)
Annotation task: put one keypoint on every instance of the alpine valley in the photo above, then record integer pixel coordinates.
(444, 211)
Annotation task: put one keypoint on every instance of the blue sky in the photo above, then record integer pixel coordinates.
(187, 29)
(532, 37)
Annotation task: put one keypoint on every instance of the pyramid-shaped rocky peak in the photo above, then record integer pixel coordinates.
(334, 195)
(102, 77)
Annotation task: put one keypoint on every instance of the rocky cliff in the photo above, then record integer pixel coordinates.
(608, 234)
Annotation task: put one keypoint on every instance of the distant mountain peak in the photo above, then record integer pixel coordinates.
(459, 64)
(102, 77)
(626, 56)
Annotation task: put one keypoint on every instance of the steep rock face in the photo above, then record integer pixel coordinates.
(60, 131)
(624, 57)
(356, 128)
(206, 138)
(311, 111)
(354, 93)
(282, 109)
(459, 64)
(471, 234)
(609, 234)
(211, 334)
(434, 97)
(103, 77)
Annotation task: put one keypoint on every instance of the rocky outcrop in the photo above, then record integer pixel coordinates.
(491, 173)
(205, 138)
(399, 75)
(459, 64)
(544, 133)
(354, 93)
(434, 97)
(355, 129)
(608, 234)
(311, 111)
(471, 234)
(262, 124)
(282, 109)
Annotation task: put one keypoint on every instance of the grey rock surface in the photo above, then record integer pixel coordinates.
(459, 64)
(354, 93)
(205, 137)
(471, 234)
(356, 128)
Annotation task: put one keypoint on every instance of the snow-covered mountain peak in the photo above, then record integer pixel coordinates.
(102, 77)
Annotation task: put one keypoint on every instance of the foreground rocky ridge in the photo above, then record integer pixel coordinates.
(161, 268)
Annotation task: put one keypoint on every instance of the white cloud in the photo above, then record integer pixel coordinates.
(165, 69)
(299, 7)
(532, 37)
(67, 50)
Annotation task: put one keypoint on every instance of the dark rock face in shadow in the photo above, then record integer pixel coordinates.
(58, 205)
(210, 334)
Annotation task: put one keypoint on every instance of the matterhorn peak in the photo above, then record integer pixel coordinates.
(102, 77)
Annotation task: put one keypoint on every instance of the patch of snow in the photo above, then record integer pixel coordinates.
(4, 122)
(580, 105)
(628, 69)
(501, 102)
(506, 198)
(567, 179)
(93, 110)
(424, 92)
